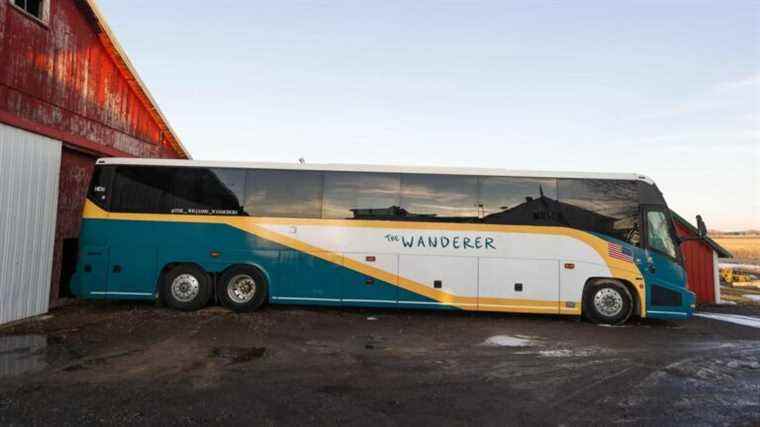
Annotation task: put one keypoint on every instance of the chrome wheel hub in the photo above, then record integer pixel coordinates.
(241, 288)
(608, 302)
(185, 287)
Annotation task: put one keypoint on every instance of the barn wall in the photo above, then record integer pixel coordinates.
(76, 171)
(60, 78)
(698, 260)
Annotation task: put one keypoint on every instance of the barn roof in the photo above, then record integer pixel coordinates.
(720, 250)
(129, 73)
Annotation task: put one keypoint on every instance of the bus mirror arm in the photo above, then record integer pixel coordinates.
(701, 232)
(701, 228)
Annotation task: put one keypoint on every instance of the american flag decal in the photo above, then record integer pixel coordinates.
(620, 252)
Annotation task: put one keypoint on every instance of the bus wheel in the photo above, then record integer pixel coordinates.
(607, 302)
(185, 287)
(242, 288)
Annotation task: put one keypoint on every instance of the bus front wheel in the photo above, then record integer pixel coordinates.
(242, 288)
(185, 287)
(607, 302)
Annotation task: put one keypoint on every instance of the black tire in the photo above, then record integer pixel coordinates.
(607, 302)
(185, 287)
(235, 292)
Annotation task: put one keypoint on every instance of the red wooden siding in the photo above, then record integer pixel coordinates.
(65, 80)
(68, 80)
(698, 259)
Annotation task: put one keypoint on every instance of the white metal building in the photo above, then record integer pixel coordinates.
(29, 170)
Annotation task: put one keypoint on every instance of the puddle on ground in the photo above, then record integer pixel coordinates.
(21, 354)
(508, 341)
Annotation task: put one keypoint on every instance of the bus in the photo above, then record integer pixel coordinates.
(243, 234)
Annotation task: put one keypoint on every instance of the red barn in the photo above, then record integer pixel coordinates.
(701, 262)
(68, 95)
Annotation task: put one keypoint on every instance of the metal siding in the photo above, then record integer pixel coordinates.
(29, 169)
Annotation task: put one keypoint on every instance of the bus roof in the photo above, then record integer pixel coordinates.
(336, 167)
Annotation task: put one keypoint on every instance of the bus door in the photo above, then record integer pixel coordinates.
(91, 276)
(378, 286)
(661, 265)
(132, 272)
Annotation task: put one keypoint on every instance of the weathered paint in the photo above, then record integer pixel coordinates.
(68, 80)
(27, 221)
(698, 260)
(76, 171)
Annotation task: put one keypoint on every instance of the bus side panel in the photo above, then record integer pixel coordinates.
(132, 272)
(91, 276)
(307, 279)
(457, 276)
(572, 282)
(518, 285)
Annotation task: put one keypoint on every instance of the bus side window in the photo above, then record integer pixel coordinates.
(439, 197)
(359, 195)
(605, 206)
(520, 201)
(279, 193)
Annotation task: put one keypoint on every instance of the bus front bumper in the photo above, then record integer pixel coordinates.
(683, 312)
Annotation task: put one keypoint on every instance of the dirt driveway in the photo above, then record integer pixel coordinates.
(119, 363)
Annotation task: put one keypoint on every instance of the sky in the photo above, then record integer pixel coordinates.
(669, 89)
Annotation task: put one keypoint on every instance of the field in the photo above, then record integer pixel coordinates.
(743, 247)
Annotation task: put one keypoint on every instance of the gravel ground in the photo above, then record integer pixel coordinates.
(125, 363)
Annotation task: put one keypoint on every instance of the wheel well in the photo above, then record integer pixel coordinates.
(628, 285)
(245, 264)
(171, 265)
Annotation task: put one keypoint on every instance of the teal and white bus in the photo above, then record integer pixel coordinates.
(244, 234)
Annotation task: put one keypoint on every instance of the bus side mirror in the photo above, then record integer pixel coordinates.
(701, 228)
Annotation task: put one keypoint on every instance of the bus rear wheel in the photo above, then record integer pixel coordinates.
(242, 288)
(185, 287)
(607, 302)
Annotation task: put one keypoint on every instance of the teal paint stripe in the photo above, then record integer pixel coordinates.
(146, 246)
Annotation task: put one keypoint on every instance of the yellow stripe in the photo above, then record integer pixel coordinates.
(618, 268)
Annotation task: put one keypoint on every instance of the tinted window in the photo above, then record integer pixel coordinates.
(529, 201)
(141, 189)
(605, 206)
(276, 193)
(206, 191)
(361, 195)
(439, 196)
(180, 190)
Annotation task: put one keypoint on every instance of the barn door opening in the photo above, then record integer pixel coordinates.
(68, 266)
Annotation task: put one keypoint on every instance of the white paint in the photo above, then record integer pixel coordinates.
(458, 275)
(738, 319)
(333, 167)
(573, 280)
(29, 170)
(535, 260)
(385, 262)
(539, 278)
(508, 341)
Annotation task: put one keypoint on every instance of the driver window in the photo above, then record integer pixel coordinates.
(658, 233)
